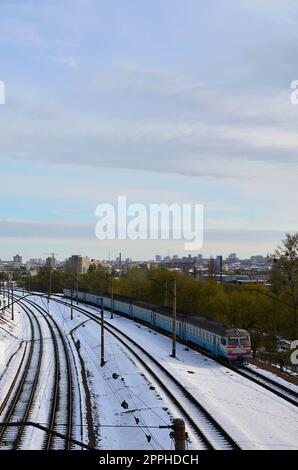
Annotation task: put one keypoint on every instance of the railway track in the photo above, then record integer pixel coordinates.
(278, 389)
(273, 386)
(210, 433)
(61, 406)
(20, 398)
(208, 430)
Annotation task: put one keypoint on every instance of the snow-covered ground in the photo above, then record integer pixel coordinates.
(256, 418)
(13, 337)
(120, 394)
(274, 377)
(102, 417)
(121, 381)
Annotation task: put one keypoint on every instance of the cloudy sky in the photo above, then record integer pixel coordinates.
(164, 101)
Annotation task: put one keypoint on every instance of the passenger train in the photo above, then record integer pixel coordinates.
(231, 345)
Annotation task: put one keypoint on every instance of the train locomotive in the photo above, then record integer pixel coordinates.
(229, 344)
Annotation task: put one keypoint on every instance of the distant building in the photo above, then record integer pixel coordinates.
(158, 258)
(259, 259)
(34, 264)
(51, 261)
(78, 264)
(232, 258)
(17, 262)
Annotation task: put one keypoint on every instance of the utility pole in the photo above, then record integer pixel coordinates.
(50, 285)
(77, 287)
(112, 295)
(28, 283)
(71, 304)
(8, 290)
(173, 293)
(2, 292)
(179, 434)
(166, 294)
(220, 269)
(120, 264)
(102, 345)
(174, 318)
(12, 306)
(52, 265)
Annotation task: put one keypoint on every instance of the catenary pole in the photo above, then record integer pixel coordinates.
(102, 344)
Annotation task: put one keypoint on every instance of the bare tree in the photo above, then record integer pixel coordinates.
(285, 267)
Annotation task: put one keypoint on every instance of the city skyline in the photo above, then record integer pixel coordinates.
(157, 257)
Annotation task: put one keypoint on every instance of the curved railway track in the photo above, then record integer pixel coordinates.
(23, 392)
(61, 407)
(204, 425)
(273, 386)
(278, 389)
(21, 395)
(208, 430)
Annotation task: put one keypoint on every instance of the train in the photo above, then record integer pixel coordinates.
(228, 344)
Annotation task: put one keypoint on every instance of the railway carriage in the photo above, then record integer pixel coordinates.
(227, 343)
(119, 306)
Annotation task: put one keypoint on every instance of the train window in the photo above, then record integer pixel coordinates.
(223, 341)
(244, 340)
(233, 341)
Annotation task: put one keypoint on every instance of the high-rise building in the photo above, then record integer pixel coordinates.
(51, 261)
(78, 264)
(17, 262)
(233, 258)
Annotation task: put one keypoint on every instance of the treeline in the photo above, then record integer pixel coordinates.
(259, 309)
(246, 307)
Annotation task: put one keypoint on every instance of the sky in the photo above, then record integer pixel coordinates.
(167, 101)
